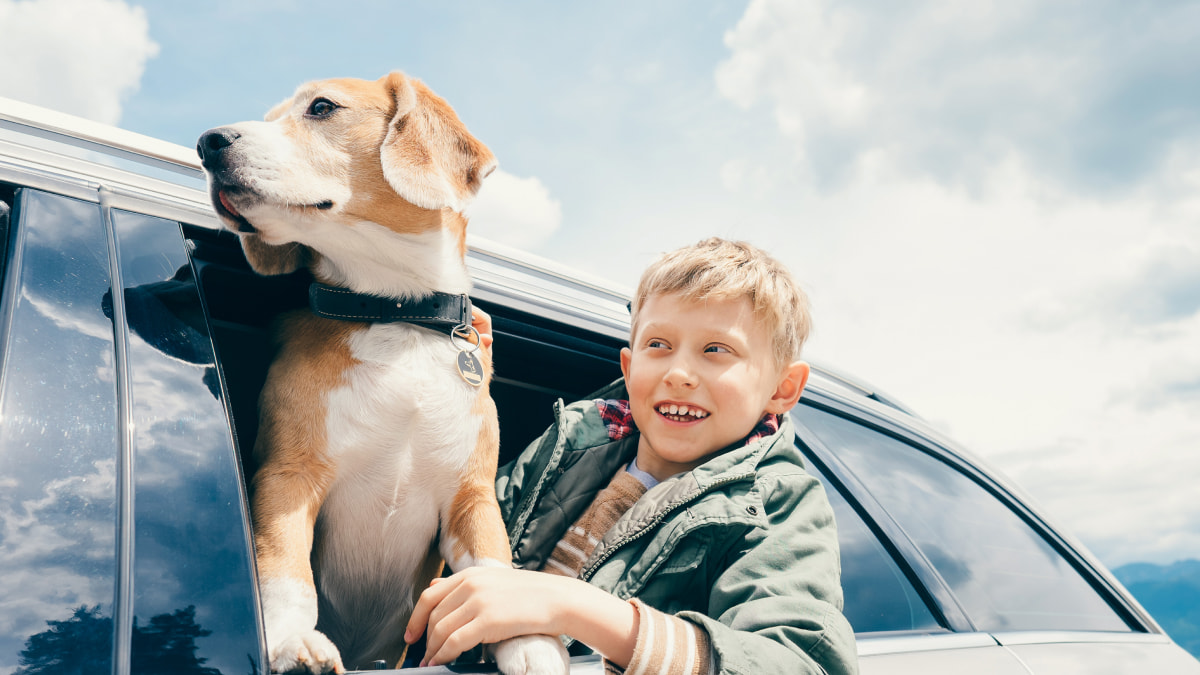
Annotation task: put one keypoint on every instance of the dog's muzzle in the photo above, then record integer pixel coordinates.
(212, 148)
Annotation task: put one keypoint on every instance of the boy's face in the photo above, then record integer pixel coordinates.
(700, 375)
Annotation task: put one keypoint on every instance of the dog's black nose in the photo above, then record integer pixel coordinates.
(212, 142)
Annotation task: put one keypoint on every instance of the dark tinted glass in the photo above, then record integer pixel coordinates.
(1005, 575)
(878, 595)
(194, 598)
(58, 441)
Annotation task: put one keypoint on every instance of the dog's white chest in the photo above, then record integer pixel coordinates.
(404, 394)
(401, 431)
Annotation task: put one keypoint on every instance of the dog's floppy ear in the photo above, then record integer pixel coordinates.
(428, 156)
(267, 259)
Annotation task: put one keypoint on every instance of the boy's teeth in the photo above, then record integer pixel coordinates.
(681, 410)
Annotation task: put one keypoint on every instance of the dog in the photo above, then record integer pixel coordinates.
(378, 439)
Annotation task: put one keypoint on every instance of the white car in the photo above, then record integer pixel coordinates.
(124, 536)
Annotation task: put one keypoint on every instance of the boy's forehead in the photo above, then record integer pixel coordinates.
(679, 301)
(666, 310)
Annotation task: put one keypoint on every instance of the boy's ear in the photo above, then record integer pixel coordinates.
(791, 385)
(626, 354)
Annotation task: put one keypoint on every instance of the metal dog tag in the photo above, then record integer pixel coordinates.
(470, 368)
(468, 364)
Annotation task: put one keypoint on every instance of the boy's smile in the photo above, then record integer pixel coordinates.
(700, 375)
(681, 413)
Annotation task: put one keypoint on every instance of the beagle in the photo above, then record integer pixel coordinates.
(378, 440)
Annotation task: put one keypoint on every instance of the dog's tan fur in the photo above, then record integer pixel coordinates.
(355, 494)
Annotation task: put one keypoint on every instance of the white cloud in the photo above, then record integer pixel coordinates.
(927, 290)
(82, 57)
(1090, 95)
(948, 223)
(519, 212)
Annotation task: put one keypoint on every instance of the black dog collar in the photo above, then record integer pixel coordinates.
(442, 311)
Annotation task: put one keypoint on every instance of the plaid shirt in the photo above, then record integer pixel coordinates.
(619, 420)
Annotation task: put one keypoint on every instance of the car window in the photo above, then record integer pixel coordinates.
(194, 602)
(58, 440)
(1004, 573)
(878, 596)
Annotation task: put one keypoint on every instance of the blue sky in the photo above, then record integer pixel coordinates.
(994, 206)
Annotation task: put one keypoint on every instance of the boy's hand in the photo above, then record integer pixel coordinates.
(482, 605)
(490, 604)
(481, 321)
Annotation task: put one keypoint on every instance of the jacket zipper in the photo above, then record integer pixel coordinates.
(525, 509)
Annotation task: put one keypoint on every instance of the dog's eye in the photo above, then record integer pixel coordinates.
(321, 107)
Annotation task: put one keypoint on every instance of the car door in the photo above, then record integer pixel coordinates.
(124, 541)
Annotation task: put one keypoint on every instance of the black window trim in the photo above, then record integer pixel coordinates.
(1101, 582)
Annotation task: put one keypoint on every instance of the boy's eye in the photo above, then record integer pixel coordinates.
(656, 344)
(716, 349)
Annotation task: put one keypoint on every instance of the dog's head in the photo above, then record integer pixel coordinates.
(339, 153)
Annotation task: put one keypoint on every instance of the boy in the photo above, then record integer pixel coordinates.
(679, 529)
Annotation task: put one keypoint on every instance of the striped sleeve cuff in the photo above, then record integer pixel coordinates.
(668, 645)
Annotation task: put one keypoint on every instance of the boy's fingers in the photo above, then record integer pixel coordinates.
(426, 602)
(443, 637)
(481, 321)
(448, 640)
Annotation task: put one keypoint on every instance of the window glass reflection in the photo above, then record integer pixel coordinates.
(58, 441)
(1004, 574)
(878, 597)
(192, 573)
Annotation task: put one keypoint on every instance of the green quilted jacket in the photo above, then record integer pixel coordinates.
(743, 545)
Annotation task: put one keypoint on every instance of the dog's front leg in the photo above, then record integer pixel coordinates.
(286, 503)
(474, 535)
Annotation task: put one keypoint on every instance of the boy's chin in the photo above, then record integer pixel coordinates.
(673, 459)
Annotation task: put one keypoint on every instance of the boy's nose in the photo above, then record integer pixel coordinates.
(680, 374)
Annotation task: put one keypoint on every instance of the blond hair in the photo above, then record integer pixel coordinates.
(720, 269)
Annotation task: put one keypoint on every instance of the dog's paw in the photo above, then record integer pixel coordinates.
(531, 655)
(306, 652)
